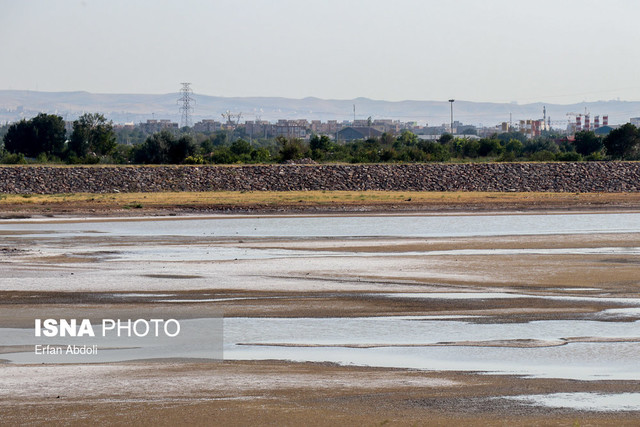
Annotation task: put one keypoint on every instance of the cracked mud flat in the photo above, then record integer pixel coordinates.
(580, 290)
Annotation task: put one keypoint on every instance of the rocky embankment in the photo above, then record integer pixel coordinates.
(549, 177)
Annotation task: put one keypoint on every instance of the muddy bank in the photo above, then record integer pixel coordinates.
(501, 177)
(281, 393)
(524, 280)
(118, 205)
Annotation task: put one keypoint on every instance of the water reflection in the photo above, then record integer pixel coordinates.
(344, 226)
(584, 401)
(543, 349)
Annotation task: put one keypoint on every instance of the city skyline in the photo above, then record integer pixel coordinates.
(493, 51)
(124, 108)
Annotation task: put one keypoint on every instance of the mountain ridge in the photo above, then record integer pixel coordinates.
(123, 107)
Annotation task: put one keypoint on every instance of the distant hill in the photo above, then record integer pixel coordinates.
(122, 108)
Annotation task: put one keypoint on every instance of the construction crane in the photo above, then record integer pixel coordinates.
(230, 116)
(579, 116)
(576, 115)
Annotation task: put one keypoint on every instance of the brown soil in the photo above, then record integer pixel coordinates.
(141, 204)
(280, 393)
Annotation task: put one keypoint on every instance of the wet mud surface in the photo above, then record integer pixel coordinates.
(477, 281)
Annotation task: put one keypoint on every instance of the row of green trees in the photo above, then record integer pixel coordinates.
(45, 137)
(94, 140)
(621, 143)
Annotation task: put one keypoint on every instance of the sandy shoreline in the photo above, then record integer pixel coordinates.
(308, 202)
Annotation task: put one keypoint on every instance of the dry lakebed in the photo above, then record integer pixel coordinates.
(504, 318)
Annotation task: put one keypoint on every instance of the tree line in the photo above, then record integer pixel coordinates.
(93, 139)
(44, 138)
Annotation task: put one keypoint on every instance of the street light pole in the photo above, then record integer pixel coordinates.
(452, 101)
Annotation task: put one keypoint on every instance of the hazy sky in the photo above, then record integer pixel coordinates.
(557, 51)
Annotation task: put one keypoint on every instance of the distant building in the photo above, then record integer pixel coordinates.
(355, 133)
(467, 130)
(432, 130)
(382, 125)
(532, 128)
(605, 130)
(207, 126)
(456, 125)
(328, 128)
(128, 125)
(390, 126)
(290, 128)
(429, 137)
(153, 126)
(257, 128)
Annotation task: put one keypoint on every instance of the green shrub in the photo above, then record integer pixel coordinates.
(260, 155)
(570, 156)
(489, 147)
(14, 159)
(471, 148)
(514, 146)
(194, 160)
(594, 157)
(507, 156)
(434, 151)
(222, 156)
(388, 154)
(292, 149)
(240, 147)
(90, 159)
(543, 156)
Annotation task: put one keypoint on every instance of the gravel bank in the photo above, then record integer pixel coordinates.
(503, 177)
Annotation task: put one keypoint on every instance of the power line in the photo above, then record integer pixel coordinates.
(185, 102)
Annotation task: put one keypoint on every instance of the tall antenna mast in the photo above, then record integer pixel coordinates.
(185, 102)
